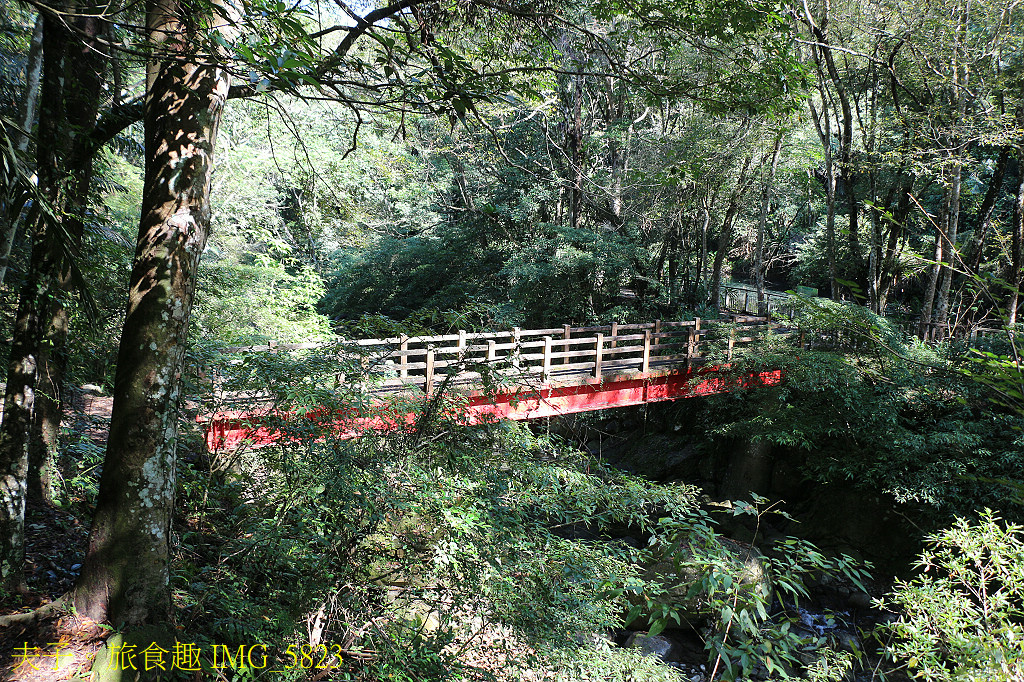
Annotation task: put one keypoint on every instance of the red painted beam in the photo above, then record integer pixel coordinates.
(228, 430)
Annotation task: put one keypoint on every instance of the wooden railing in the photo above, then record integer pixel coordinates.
(779, 305)
(557, 355)
(743, 301)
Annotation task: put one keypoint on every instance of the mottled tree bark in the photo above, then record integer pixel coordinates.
(19, 402)
(1016, 250)
(125, 576)
(760, 268)
(20, 391)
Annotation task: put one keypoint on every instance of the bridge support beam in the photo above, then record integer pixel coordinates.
(227, 431)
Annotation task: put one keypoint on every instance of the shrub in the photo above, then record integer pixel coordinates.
(961, 618)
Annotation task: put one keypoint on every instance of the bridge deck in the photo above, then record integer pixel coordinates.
(529, 373)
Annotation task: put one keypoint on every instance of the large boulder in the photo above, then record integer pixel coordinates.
(663, 647)
(678, 573)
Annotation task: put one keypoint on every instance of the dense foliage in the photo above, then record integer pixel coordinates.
(868, 406)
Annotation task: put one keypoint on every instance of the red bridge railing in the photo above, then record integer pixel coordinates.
(539, 372)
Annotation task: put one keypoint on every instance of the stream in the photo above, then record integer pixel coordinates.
(838, 614)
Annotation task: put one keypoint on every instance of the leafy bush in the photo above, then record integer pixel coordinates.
(912, 425)
(407, 546)
(961, 618)
(251, 303)
(609, 664)
(738, 586)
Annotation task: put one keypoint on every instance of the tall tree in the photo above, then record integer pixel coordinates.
(760, 267)
(1017, 244)
(71, 83)
(125, 576)
(20, 136)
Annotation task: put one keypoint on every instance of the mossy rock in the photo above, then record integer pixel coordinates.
(417, 615)
(677, 574)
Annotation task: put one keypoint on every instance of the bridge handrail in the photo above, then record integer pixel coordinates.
(556, 353)
(777, 305)
(466, 336)
(775, 302)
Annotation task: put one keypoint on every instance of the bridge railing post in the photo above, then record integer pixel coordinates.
(491, 354)
(696, 337)
(615, 332)
(403, 360)
(598, 353)
(429, 385)
(516, 339)
(657, 330)
(339, 378)
(462, 353)
(566, 334)
(691, 346)
(546, 363)
(732, 342)
(647, 352)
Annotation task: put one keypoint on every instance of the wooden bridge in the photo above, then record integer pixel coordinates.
(527, 374)
(520, 374)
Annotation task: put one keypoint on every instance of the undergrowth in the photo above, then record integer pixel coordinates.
(446, 551)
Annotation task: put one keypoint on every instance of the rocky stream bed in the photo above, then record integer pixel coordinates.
(841, 615)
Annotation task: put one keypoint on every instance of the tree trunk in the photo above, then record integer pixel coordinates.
(702, 254)
(874, 246)
(125, 576)
(618, 149)
(988, 205)
(673, 261)
(575, 143)
(1016, 245)
(762, 223)
(933, 278)
(960, 78)
(34, 300)
(19, 138)
(949, 264)
(84, 69)
(44, 442)
(825, 62)
(19, 402)
(886, 272)
(822, 125)
(725, 235)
